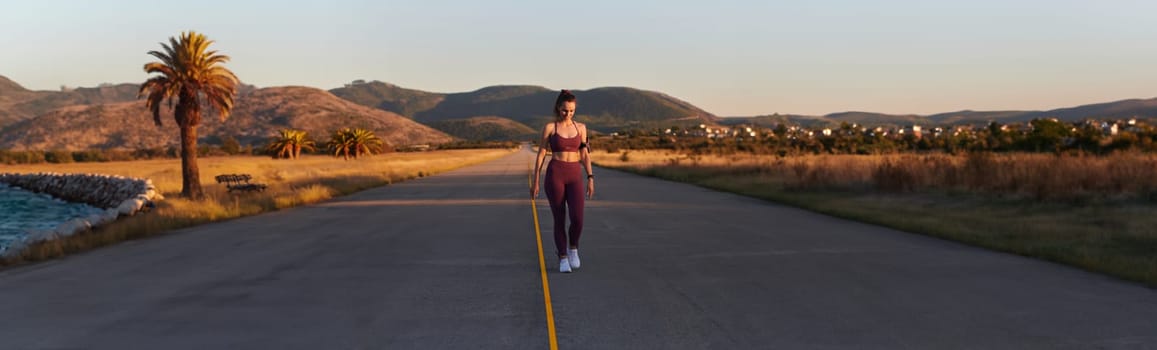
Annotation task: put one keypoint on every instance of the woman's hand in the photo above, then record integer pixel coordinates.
(590, 187)
(534, 190)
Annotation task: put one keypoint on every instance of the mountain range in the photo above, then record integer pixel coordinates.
(603, 109)
(111, 116)
(18, 103)
(1124, 109)
(120, 121)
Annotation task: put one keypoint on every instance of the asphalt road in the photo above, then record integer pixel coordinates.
(450, 262)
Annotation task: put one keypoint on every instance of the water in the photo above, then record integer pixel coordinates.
(22, 210)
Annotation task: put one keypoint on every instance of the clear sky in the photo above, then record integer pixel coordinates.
(729, 57)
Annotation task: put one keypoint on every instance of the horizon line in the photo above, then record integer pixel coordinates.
(368, 81)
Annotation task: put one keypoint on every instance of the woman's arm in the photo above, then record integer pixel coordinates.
(585, 157)
(543, 143)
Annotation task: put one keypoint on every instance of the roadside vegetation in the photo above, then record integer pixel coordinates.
(1090, 136)
(308, 179)
(229, 147)
(1092, 212)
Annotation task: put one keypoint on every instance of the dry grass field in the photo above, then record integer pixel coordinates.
(291, 182)
(1095, 213)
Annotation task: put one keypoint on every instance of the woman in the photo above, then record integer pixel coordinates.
(567, 141)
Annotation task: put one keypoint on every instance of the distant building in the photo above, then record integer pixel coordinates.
(415, 148)
(915, 130)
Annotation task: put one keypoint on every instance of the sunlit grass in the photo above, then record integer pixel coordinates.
(310, 194)
(310, 179)
(1039, 176)
(1088, 212)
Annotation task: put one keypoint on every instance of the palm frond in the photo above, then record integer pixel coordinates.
(193, 76)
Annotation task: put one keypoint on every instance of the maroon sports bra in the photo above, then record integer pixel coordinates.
(565, 144)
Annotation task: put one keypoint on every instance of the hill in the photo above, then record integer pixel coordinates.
(874, 118)
(603, 109)
(974, 117)
(487, 128)
(318, 112)
(1124, 109)
(258, 115)
(771, 121)
(525, 104)
(1140, 108)
(830, 120)
(389, 97)
(18, 103)
(392, 111)
(7, 86)
(12, 94)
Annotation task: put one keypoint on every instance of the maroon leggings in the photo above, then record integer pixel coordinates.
(564, 186)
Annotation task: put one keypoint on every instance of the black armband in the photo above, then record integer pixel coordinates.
(584, 145)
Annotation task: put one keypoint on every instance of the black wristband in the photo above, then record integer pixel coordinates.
(590, 176)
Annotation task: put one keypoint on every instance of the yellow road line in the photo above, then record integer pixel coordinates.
(542, 269)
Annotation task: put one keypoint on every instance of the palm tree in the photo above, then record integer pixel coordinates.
(289, 143)
(340, 143)
(354, 142)
(365, 142)
(193, 75)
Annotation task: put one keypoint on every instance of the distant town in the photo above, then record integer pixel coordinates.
(1096, 136)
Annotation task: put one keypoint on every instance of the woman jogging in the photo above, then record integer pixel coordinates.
(567, 141)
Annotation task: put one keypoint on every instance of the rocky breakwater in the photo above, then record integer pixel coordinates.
(117, 195)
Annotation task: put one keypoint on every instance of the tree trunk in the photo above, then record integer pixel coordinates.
(190, 174)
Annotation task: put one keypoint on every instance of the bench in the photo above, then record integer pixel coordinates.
(240, 182)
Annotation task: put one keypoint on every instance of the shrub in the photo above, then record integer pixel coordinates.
(58, 157)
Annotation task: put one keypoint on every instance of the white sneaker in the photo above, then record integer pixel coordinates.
(574, 259)
(564, 265)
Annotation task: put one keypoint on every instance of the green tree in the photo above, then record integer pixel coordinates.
(230, 145)
(1046, 135)
(1088, 138)
(193, 75)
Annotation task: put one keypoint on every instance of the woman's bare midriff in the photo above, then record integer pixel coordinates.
(566, 156)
